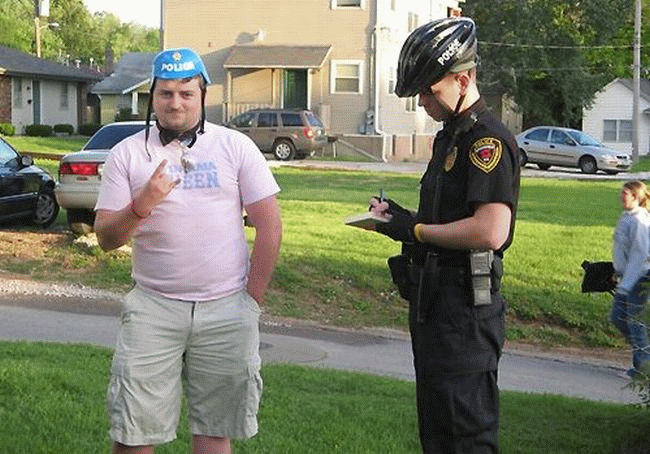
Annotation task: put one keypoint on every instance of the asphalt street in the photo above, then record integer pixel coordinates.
(92, 319)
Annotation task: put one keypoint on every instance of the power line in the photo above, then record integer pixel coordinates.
(543, 46)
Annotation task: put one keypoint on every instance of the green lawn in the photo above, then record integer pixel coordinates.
(335, 274)
(52, 400)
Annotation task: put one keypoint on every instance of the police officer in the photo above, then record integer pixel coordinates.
(450, 266)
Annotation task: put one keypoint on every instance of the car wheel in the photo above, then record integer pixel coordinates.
(283, 150)
(80, 220)
(46, 209)
(523, 157)
(588, 165)
(544, 166)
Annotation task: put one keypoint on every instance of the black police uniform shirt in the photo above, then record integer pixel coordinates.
(481, 166)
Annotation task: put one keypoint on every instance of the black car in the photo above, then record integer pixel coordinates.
(26, 191)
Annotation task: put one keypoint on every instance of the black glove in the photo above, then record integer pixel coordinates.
(393, 207)
(400, 227)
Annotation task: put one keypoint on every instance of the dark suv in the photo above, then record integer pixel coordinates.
(283, 132)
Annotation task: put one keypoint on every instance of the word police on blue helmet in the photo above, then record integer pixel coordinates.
(179, 63)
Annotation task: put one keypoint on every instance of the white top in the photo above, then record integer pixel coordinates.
(631, 248)
(193, 246)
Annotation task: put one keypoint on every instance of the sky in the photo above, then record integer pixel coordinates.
(145, 12)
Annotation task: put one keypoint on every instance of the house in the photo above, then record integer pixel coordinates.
(127, 87)
(335, 57)
(609, 119)
(38, 91)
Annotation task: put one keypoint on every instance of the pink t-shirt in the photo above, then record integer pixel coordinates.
(193, 246)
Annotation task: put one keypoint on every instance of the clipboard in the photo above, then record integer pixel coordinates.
(366, 221)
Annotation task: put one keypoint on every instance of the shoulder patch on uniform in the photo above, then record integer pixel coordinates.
(486, 153)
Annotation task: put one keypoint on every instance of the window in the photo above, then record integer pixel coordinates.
(18, 93)
(346, 76)
(538, 134)
(617, 130)
(413, 21)
(244, 120)
(347, 4)
(64, 97)
(6, 153)
(411, 104)
(291, 119)
(625, 131)
(267, 120)
(392, 75)
(561, 138)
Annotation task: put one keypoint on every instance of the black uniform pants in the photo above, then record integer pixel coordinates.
(459, 414)
(456, 351)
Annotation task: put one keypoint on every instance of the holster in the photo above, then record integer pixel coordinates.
(399, 271)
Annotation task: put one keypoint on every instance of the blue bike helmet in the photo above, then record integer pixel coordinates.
(181, 63)
(433, 50)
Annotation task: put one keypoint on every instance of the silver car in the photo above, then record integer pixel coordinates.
(549, 146)
(80, 173)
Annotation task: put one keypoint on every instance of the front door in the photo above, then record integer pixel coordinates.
(295, 89)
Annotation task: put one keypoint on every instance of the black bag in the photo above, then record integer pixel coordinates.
(599, 277)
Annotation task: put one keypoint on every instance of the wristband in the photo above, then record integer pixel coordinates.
(417, 232)
(137, 215)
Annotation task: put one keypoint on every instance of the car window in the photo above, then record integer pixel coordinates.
(538, 134)
(584, 139)
(291, 119)
(107, 137)
(561, 138)
(313, 120)
(244, 120)
(267, 120)
(6, 153)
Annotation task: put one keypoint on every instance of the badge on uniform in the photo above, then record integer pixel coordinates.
(486, 153)
(451, 159)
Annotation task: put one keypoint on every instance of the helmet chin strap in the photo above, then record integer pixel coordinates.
(450, 115)
(461, 98)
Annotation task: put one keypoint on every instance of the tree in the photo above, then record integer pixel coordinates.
(539, 52)
(80, 35)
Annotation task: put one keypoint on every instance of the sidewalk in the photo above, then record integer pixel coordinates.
(387, 353)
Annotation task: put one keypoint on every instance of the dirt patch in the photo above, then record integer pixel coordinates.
(31, 245)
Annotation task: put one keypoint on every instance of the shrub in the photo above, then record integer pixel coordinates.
(7, 129)
(64, 128)
(125, 114)
(88, 129)
(38, 130)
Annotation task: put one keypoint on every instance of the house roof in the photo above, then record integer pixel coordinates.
(20, 64)
(644, 86)
(277, 56)
(131, 72)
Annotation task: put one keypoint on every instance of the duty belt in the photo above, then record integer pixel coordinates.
(444, 276)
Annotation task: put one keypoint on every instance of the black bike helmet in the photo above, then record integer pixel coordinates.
(432, 50)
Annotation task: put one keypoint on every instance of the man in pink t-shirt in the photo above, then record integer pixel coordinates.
(177, 190)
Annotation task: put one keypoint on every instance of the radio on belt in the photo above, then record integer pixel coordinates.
(480, 267)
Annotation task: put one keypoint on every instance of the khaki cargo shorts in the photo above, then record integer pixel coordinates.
(212, 347)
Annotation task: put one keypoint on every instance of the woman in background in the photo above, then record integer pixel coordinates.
(631, 258)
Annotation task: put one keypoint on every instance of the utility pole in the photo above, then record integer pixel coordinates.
(636, 82)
